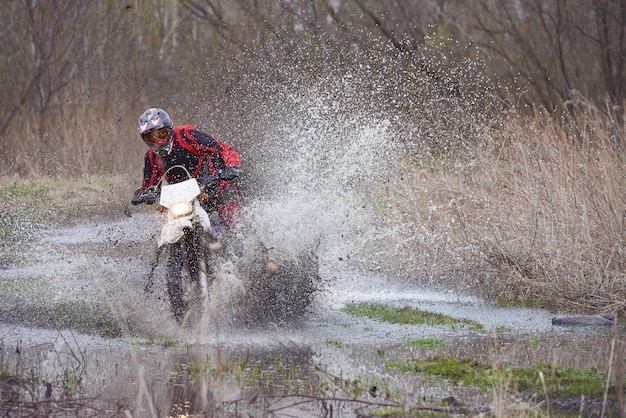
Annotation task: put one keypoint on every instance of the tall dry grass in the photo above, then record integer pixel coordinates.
(559, 238)
(74, 138)
(535, 217)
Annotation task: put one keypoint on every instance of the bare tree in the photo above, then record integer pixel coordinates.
(73, 69)
(39, 41)
(550, 48)
(610, 41)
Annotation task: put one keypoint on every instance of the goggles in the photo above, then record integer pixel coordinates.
(156, 137)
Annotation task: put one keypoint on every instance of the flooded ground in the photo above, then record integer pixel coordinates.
(327, 363)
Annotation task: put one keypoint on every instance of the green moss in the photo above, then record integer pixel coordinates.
(501, 329)
(163, 341)
(85, 318)
(25, 189)
(426, 342)
(31, 287)
(11, 256)
(435, 163)
(23, 209)
(467, 372)
(335, 343)
(79, 316)
(560, 381)
(408, 315)
(196, 368)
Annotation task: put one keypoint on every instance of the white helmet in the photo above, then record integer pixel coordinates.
(156, 128)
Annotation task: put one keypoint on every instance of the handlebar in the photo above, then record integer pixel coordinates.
(152, 194)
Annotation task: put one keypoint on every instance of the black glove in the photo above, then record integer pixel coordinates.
(210, 181)
(143, 195)
(228, 173)
(137, 196)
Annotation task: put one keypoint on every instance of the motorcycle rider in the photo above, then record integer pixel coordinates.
(204, 157)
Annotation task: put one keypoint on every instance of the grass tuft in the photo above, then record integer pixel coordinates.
(408, 315)
(559, 381)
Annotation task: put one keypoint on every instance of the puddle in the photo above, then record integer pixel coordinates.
(351, 287)
(155, 375)
(141, 227)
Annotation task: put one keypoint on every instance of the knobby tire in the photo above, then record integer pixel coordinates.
(184, 260)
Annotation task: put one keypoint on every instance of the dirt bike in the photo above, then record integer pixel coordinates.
(189, 238)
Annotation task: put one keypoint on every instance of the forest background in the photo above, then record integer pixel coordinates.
(513, 107)
(75, 74)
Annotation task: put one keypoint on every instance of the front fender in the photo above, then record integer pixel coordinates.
(174, 230)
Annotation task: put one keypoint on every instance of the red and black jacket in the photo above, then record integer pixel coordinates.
(198, 152)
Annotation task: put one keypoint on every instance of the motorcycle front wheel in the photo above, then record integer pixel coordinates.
(174, 275)
(186, 269)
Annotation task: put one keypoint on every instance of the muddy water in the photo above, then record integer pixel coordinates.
(161, 369)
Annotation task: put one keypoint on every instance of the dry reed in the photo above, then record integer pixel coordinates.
(536, 217)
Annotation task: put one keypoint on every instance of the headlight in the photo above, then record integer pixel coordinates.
(180, 209)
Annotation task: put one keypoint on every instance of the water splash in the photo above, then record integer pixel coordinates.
(317, 169)
(323, 148)
(310, 206)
